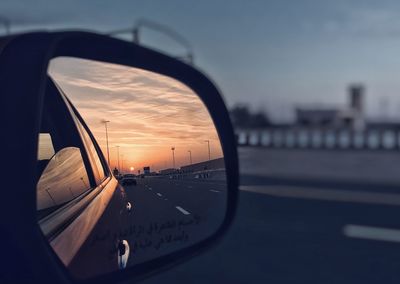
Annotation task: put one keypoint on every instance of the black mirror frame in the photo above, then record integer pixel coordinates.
(45, 46)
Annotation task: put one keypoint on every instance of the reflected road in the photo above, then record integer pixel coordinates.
(181, 212)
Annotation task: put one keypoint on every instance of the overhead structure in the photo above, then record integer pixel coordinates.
(135, 31)
(6, 24)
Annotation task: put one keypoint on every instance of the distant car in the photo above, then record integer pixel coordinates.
(128, 179)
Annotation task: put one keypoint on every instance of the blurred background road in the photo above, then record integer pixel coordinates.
(306, 218)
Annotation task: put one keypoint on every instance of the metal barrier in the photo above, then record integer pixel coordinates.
(216, 174)
(371, 139)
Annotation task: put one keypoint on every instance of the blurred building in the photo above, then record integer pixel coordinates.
(319, 127)
(146, 170)
(351, 116)
(168, 171)
(242, 117)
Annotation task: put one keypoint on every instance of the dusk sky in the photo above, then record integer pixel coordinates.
(272, 55)
(148, 113)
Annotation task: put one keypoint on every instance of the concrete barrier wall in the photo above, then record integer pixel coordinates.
(206, 165)
(373, 139)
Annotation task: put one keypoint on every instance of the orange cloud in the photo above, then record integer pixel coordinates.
(148, 113)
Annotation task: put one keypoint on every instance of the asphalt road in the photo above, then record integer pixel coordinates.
(181, 212)
(294, 230)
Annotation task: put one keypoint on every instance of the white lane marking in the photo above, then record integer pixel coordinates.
(213, 190)
(371, 233)
(159, 194)
(183, 211)
(327, 194)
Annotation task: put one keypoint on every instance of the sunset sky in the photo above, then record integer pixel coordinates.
(148, 113)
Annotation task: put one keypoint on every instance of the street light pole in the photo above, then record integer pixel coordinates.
(118, 158)
(190, 156)
(108, 151)
(209, 153)
(173, 156)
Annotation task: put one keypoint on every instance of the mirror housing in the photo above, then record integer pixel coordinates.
(25, 58)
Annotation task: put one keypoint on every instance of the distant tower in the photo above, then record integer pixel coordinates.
(357, 98)
(384, 108)
(356, 93)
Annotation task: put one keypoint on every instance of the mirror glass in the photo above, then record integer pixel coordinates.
(137, 169)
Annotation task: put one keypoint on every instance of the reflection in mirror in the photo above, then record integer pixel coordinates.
(66, 166)
(168, 188)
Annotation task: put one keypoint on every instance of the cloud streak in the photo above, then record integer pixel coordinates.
(148, 112)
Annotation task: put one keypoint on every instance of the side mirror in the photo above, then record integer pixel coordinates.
(97, 216)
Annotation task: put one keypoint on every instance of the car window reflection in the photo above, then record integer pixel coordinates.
(63, 179)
